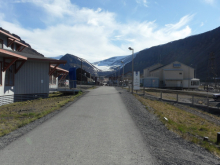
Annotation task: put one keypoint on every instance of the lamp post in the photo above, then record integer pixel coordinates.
(132, 67)
(119, 76)
(115, 77)
(81, 73)
(123, 73)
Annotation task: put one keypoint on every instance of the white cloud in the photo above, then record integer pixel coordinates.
(142, 2)
(211, 2)
(202, 24)
(92, 34)
(183, 21)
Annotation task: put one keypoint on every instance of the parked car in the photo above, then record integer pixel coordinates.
(216, 97)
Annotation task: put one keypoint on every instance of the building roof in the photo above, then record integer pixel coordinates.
(152, 67)
(31, 56)
(8, 53)
(14, 36)
(158, 68)
(169, 64)
(59, 69)
(5, 32)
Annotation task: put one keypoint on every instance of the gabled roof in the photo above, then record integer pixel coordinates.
(169, 64)
(8, 34)
(161, 65)
(31, 57)
(12, 54)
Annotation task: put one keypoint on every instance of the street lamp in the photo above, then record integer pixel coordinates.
(123, 73)
(132, 67)
(118, 76)
(115, 77)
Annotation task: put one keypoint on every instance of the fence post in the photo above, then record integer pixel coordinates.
(192, 100)
(207, 102)
(218, 137)
(161, 95)
(144, 90)
(177, 99)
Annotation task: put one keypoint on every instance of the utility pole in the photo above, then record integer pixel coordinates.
(132, 68)
(115, 77)
(81, 73)
(123, 73)
(119, 76)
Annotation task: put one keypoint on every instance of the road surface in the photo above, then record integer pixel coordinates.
(97, 129)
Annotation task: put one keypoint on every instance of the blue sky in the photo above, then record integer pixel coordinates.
(99, 29)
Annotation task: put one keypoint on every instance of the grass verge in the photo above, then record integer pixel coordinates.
(16, 115)
(187, 125)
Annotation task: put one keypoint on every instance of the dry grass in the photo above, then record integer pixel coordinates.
(185, 124)
(15, 115)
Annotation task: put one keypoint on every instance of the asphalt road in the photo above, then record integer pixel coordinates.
(97, 129)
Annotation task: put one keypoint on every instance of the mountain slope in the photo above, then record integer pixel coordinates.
(193, 51)
(112, 63)
(74, 61)
(57, 57)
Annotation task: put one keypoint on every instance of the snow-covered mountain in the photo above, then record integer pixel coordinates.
(114, 62)
(57, 57)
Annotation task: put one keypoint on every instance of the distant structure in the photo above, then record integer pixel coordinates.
(174, 75)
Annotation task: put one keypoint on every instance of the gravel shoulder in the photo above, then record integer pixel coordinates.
(165, 146)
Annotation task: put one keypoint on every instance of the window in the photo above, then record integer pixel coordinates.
(9, 76)
(1, 44)
(194, 83)
(52, 79)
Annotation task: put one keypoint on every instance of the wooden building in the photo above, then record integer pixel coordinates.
(23, 74)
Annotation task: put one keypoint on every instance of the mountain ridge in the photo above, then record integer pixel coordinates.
(192, 51)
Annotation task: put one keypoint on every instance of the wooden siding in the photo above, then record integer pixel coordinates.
(6, 99)
(32, 78)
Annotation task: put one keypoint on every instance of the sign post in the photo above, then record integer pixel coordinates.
(136, 80)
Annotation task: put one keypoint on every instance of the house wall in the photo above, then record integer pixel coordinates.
(148, 69)
(32, 78)
(172, 74)
(5, 90)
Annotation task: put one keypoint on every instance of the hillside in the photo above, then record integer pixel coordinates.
(74, 61)
(193, 50)
(113, 63)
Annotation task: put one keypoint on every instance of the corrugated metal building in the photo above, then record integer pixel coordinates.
(23, 76)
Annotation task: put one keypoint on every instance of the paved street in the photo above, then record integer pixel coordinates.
(97, 129)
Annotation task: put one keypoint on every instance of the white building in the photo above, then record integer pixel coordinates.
(173, 75)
